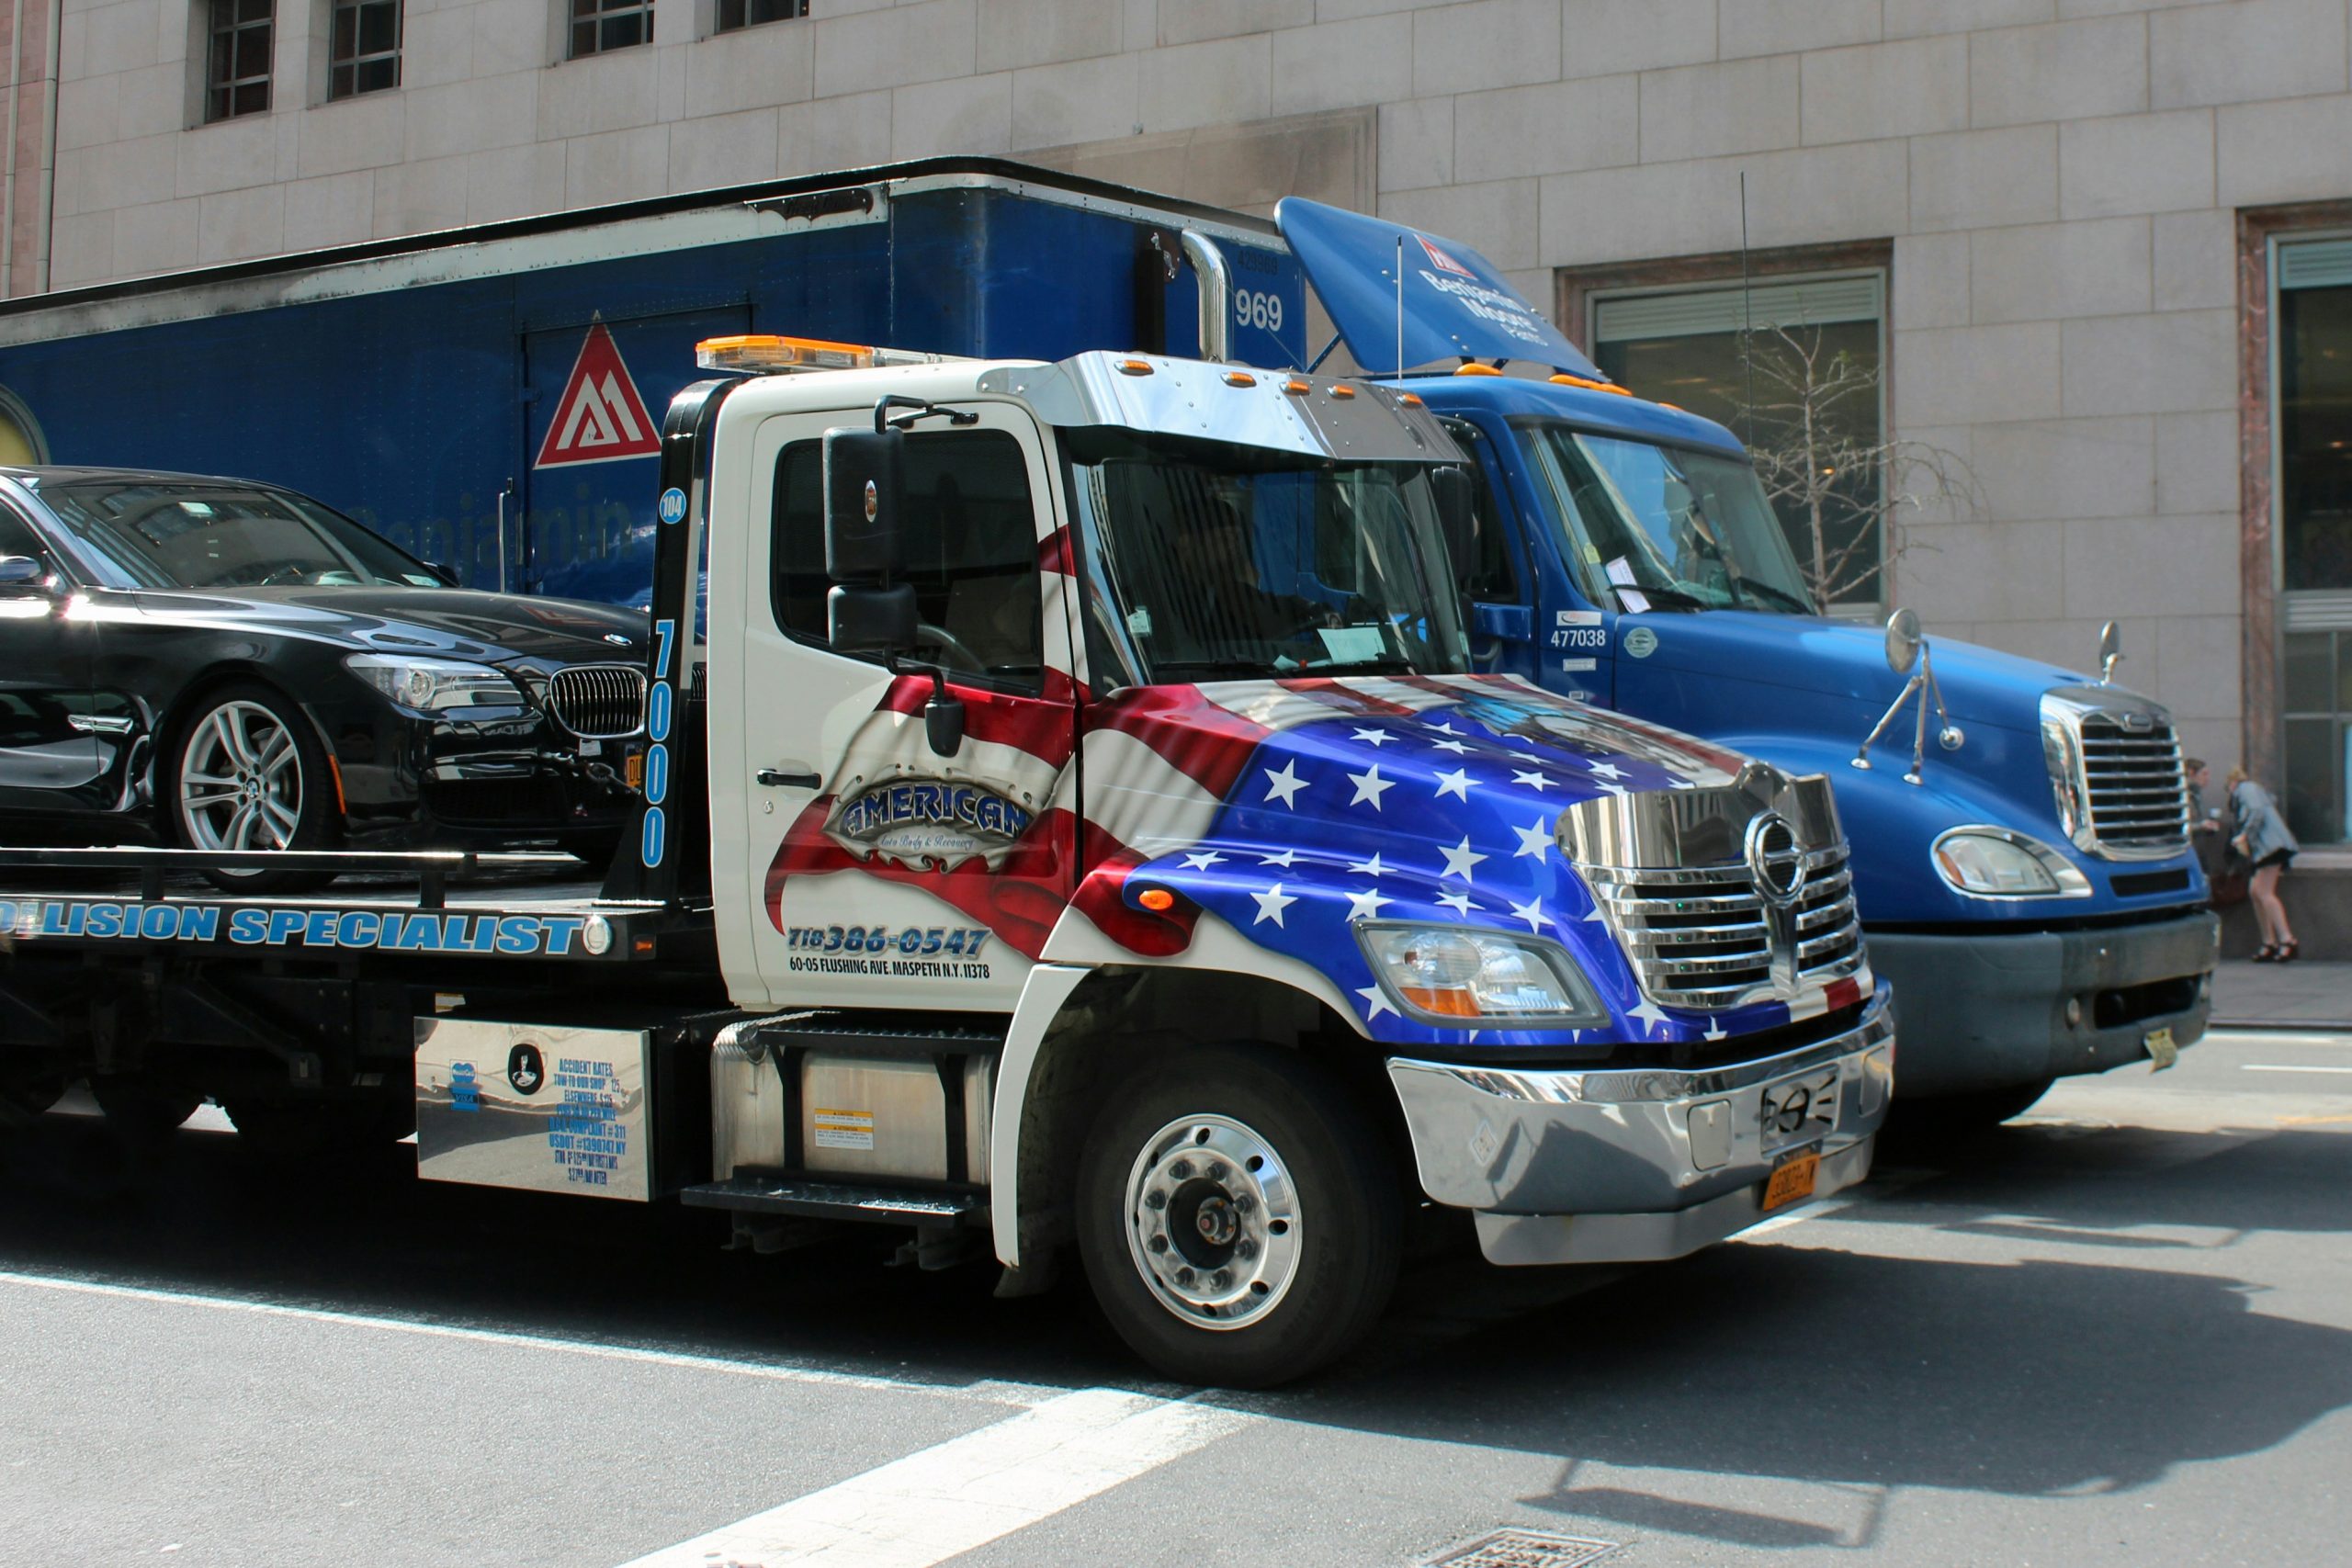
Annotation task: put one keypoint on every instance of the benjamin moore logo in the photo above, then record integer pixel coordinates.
(1440, 260)
(941, 820)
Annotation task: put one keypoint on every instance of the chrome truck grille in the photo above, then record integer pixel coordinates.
(2115, 770)
(1725, 896)
(1705, 938)
(598, 701)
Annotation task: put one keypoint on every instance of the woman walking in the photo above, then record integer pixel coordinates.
(2259, 833)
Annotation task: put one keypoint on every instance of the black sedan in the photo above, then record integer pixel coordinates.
(229, 665)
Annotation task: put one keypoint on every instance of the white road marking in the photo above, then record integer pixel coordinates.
(988, 1392)
(1796, 1216)
(2281, 1067)
(962, 1493)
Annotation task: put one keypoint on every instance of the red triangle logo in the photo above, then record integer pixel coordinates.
(1443, 262)
(600, 417)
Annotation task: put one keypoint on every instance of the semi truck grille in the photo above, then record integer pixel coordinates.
(2139, 797)
(1704, 938)
(2115, 768)
(598, 701)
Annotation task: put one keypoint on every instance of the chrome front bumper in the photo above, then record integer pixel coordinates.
(1617, 1164)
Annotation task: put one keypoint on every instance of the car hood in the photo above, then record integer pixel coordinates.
(1839, 661)
(447, 623)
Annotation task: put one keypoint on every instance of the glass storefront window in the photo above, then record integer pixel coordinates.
(2315, 437)
(2318, 692)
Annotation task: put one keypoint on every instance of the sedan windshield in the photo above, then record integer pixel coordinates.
(1653, 527)
(176, 533)
(1206, 560)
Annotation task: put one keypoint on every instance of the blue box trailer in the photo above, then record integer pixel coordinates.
(2021, 859)
(489, 399)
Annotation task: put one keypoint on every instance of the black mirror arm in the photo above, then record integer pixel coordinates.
(943, 716)
(884, 420)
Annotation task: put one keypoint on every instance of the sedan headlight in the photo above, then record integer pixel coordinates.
(1995, 862)
(434, 685)
(1446, 975)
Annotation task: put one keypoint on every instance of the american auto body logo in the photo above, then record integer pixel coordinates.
(944, 821)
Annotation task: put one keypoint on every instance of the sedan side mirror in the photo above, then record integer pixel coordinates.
(23, 572)
(445, 573)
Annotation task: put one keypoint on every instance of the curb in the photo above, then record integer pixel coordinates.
(2316, 1025)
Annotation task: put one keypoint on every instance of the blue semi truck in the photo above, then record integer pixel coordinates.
(2022, 861)
(483, 399)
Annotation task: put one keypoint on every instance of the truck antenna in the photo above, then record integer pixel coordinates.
(1400, 307)
(1746, 326)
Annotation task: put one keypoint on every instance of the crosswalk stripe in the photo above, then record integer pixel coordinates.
(990, 1393)
(963, 1493)
(2283, 1068)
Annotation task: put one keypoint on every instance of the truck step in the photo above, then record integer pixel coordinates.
(837, 1200)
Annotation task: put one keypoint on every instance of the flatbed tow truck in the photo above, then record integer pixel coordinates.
(1078, 830)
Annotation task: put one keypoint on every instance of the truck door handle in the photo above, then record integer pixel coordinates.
(775, 779)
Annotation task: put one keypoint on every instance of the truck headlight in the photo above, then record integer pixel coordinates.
(1982, 861)
(1443, 975)
(434, 685)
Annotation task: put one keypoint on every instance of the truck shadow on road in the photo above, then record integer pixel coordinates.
(1951, 1334)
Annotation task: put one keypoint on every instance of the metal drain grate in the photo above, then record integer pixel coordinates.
(1524, 1548)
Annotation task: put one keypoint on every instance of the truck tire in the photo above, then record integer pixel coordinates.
(1950, 1116)
(1236, 1220)
(142, 1112)
(277, 1131)
(246, 771)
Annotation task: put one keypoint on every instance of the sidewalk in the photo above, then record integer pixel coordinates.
(2302, 995)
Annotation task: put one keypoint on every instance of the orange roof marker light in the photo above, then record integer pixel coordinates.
(1341, 389)
(1410, 399)
(1588, 384)
(1474, 368)
(765, 353)
(1297, 387)
(1136, 367)
(1240, 379)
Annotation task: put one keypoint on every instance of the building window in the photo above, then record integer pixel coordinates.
(2313, 333)
(364, 54)
(599, 27)
(1814, 344)
(737, 13)
(236, 63)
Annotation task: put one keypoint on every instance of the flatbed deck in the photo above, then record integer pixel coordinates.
(538, 907)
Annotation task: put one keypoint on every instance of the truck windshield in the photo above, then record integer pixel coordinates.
(1652, 527)
(1207, 560)
(147, 533)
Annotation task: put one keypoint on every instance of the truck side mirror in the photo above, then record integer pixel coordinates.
(1450, 487)
(864, 619)
(862, 487)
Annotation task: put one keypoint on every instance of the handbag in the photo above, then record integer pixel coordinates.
(2229, 885)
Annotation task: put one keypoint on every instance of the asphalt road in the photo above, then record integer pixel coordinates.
(2118, 1331)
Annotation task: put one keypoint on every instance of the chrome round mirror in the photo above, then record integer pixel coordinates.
(1903, 639)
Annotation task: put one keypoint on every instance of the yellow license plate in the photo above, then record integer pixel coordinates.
(634, 769)
(2160, 1047)
(1790, 1181)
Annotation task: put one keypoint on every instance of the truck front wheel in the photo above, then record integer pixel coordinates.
(1235, 1219)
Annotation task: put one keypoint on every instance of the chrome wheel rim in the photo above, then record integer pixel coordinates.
(240, 781)
(1213, 1222)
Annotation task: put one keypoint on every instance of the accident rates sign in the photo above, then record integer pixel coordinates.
(600, 417)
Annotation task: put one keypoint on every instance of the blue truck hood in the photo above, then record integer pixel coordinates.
(1848, 662)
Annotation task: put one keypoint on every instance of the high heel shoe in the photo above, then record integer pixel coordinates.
(2285, 953)
(2266, 954)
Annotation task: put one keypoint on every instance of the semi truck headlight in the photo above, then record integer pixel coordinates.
(434, 685)
(1441, 976)
(1995, 862)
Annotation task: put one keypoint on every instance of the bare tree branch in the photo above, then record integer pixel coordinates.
(1826, 470)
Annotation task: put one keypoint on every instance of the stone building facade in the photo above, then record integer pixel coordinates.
(2061, 224)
